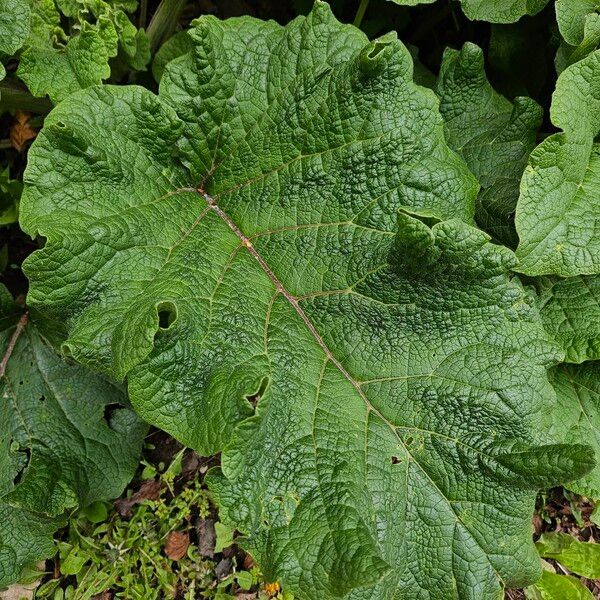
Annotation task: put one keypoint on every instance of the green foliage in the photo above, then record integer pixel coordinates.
(579, 24)
(411, 2)
(57, 61)
(174, 47)
(14, 25)
(581, 558)
(558, 206)
(570, 310)
(573, 16)
(494, 11)
(10, 193)
(58, 448)
(576, 415)
(553, 586)
(128, 556)
(82, 62)
(493, 135)
(501, 11)
(296, 256)
(278, 252)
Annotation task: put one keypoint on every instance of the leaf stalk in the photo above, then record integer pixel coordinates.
(163, 22)
(13, 342)
(143, 14)
(360, 13)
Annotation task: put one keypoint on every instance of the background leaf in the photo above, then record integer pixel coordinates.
(501, 11)
(571, 16)
(570, 310)
(82, 63)
(493, 135)
(576, 416)
(174, 47)
(582, 558)
(66, 438)
(14, 25)
(558, 587)
(558, 210)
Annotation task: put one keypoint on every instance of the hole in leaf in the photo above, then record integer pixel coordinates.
(395, 460)
(167, 315)
(409, 440)
(23, 463)
(163, 319)
(254, 398)
(109, 411)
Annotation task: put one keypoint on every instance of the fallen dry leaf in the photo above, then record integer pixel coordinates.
(223, 568)
(206, 537)
(177, 545)
(21, 131)
(149, 490)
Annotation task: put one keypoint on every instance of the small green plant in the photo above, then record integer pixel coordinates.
(151, 554)
(573, 557)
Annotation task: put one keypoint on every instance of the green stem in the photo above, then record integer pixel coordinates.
(360, 13)
(143, 14)
(163, 22)
(15, 96)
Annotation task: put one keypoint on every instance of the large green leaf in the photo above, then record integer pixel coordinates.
(55, 63)
(571, 16)
(576, 416)
(311, 248)
(14, 25)
(495, 11)
(579, 25)
(570, 310)
(66, 439)
(558, 213)
(501, 11)
(59, 72)
(493, 135)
